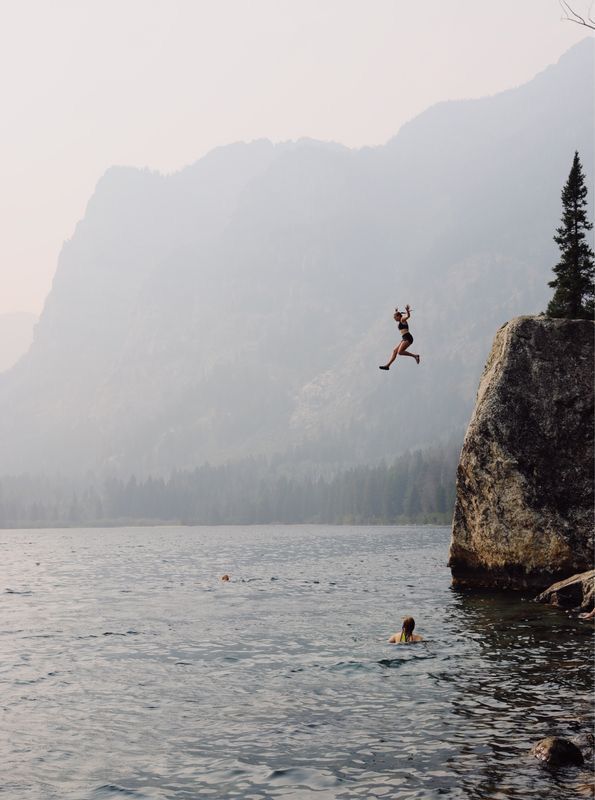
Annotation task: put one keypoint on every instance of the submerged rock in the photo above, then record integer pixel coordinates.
(578, 592)
(557, 752)
(524, 507)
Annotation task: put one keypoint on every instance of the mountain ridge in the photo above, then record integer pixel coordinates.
(242, 305)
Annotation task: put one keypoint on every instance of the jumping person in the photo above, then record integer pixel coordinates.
(407, 338)
(406, 636)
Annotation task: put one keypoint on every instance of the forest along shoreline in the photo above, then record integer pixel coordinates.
(417, 488)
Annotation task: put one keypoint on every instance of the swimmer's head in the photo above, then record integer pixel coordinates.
(225, 577)
(408, 625)
(398, 314)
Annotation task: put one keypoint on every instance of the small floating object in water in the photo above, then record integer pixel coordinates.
(225, 577)
(557, 752)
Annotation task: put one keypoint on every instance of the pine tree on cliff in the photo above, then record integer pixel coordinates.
(574, 284)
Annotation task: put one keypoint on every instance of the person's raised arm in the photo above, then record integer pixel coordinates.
(407, 313)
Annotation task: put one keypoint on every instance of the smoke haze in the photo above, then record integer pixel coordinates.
(86, 85)
(241, 306)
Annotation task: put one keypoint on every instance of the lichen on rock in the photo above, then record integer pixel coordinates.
(524, 508)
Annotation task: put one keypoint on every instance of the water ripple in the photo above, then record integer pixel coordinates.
(130, 670)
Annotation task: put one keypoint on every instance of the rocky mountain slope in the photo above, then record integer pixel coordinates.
(242, 305)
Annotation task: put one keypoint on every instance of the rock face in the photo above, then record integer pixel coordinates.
(578, 592)
(524, 508)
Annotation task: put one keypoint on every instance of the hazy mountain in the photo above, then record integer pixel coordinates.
(16, 335)
(243, 305)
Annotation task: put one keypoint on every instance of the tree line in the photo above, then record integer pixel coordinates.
(418, 488)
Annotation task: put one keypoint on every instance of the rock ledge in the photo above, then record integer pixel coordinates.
(576, 592)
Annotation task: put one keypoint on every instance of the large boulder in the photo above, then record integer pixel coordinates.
(524, 508)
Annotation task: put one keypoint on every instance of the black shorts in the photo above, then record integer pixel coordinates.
(407, 337)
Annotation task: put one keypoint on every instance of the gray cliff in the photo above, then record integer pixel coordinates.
(524, 508)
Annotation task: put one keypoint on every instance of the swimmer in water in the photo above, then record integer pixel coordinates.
(406, 636)
(225, 578)
(406, 337)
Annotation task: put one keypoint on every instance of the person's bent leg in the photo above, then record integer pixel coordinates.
(403, 351)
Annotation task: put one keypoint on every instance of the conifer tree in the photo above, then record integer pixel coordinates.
(574, 284)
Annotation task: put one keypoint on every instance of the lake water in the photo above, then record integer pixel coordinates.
(129, 670)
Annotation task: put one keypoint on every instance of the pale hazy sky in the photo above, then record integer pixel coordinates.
(85, 84)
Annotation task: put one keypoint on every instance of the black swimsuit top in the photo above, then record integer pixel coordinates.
(404, 327)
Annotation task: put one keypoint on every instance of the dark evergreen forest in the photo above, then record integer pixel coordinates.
(419, 488)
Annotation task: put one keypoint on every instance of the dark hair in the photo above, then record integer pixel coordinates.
(408, 625)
